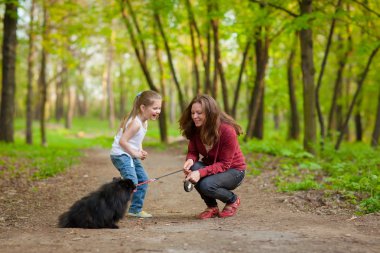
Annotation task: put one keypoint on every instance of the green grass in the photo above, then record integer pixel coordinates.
(353, 171)
(64, 147)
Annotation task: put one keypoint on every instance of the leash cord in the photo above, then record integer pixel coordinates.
(157, 178)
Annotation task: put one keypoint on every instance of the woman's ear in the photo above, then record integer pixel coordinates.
(142, 108)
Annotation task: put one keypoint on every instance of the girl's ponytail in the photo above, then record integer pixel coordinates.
(142, 98)
(133, 112)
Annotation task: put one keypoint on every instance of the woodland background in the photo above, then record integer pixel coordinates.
(290, 72)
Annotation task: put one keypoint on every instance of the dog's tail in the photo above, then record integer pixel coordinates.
(63, 220)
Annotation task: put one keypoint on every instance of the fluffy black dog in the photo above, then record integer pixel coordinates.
(100, 209)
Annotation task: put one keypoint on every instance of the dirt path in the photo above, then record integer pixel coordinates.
(264, 223)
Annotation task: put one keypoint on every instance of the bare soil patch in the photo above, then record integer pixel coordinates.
(266, 222)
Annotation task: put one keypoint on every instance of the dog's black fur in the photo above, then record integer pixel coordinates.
(100, 209)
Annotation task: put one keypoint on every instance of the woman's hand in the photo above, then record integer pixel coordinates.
(187, 165)
(193, 176)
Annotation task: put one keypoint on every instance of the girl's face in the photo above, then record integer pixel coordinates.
(197, 114)
(153, 111)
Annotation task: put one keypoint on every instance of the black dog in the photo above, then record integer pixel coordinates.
(100, 209)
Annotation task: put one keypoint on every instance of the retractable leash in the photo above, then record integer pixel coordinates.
(157, 178)
(187, 185)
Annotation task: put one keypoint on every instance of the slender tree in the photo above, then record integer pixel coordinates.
(376, 129)
(362, 78)
(193, 47)
(240, 77)
(306, 39)
(294, 128)
(42, 77)
(29, 96)
(7, 109)
(335, 109)
(170, 60)
(256, 102)
(320, 76)
(218, 61)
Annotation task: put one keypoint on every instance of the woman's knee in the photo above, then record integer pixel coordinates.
(197, 165)
(206, 187)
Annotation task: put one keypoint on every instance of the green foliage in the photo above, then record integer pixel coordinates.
(353, 171)
(35, 162)
(370, 205)
(304, 185)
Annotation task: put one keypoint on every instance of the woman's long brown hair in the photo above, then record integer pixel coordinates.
(209, 131)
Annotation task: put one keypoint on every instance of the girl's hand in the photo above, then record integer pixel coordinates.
(144, 154)
(193, 176)
(187, 165)
(140, 154)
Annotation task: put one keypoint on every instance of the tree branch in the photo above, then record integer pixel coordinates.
(276, 7)
(367, 8)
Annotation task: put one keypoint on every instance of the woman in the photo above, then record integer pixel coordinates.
(213, 134)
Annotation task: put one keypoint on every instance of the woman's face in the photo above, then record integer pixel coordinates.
(153, 111)
(197, 114)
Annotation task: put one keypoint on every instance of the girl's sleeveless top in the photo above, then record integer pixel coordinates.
(135, 142)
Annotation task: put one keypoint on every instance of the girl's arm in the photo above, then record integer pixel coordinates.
(128, 133)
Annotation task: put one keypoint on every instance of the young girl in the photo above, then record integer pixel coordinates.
(127, 150)
(213, 134)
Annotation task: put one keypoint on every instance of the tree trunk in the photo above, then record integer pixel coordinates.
(103, 112)
(376, 129)
(358, 124)
(29, 96)
(306, 39)
(336, 108)
(360, 84)
(42, 78)
(60, 94)
(208, 85)
(70, 107)
(136, 24)
(7, 109)
(123, 95)
(319, 82)
(294, 125)
(193, 48)
(140, 57)
(219, 65)
(110, 95)
(261, 47)
(242, 67)
(171, 64)
(204, 57)
(276, 117)
(162, 118)
(258, 130)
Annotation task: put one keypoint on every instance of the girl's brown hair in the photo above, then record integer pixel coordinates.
(143, 98)
(209, 131)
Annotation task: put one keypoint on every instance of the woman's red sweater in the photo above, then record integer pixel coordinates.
(224, 155)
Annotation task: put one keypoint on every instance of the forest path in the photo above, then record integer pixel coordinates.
(264, 222)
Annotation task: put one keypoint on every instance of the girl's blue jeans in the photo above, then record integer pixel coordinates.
(218, 186)
(132, 168)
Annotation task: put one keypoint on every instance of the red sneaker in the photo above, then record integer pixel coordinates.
(210, 212)
(230, 209)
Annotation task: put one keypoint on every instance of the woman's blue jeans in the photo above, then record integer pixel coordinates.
(132, 168)
(218, 186)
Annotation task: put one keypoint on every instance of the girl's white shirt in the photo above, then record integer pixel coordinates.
(135, 142)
